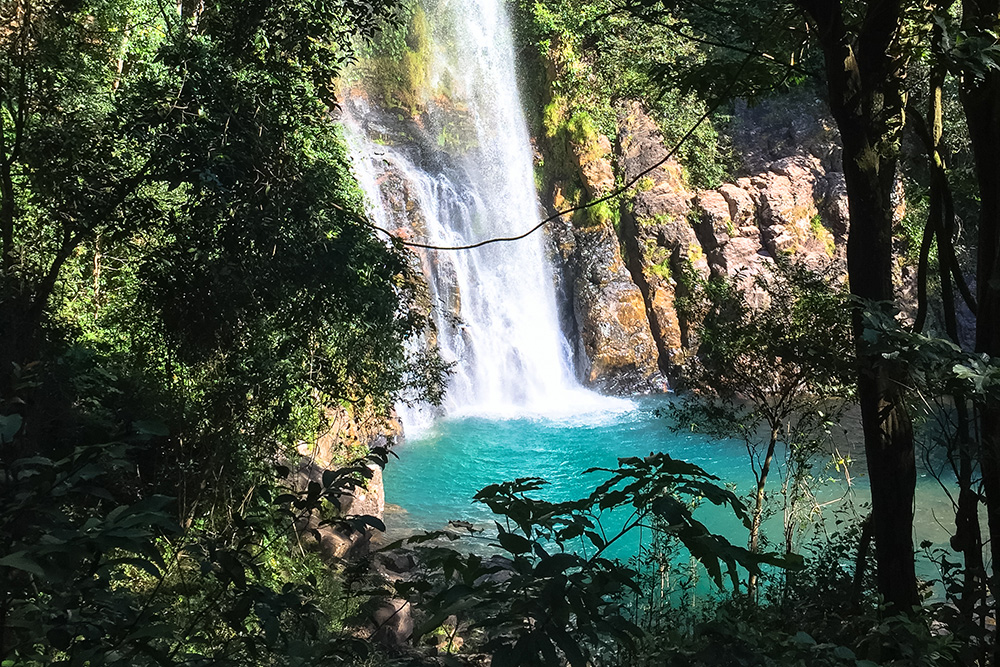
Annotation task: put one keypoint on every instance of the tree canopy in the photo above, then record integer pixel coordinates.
(177, 207)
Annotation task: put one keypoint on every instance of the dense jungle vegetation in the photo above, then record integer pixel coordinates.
(189, 290)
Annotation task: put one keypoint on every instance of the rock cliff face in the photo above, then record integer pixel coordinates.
(789, 199)
(618, 352)
(606, 310)
(619, 265)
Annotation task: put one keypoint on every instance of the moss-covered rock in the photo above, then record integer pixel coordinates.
(395, 68)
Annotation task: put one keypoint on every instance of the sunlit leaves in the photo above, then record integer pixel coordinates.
(184, 210)
(91, 580)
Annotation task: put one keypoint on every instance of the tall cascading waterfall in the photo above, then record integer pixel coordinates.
(457, 173)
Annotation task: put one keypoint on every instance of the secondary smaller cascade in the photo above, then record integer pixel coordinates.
(456, 171)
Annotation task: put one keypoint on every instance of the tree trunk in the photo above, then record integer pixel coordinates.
(967, 538)
(981, 102)
(861, 562)
(864, 81)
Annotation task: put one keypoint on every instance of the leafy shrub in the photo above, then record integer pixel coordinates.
(89, 579)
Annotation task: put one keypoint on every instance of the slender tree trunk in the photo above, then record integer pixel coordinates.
(758, 507)
(122, 54)
(941, 221)
(861, 561)
(968, 536)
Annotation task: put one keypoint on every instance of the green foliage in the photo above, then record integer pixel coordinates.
(933, 366)
(554, 116)
(797, 340)
(555, 593)
(186, 269)
(394, 67)
(913, 224)
(64, 540)
(605, 213)
(773, 368)
(581, 128)
(823, 234)
(592, 55)
(815, 615)
(91, 579)
(186, 239)
(742, 634)
(743, 50)
(658, 258)
(661, 269)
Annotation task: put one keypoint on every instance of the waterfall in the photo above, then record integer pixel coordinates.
(457, 171)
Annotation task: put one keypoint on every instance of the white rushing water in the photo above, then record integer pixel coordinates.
(494, 307)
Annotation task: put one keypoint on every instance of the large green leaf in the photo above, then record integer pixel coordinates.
(9, 426)
(21, 560)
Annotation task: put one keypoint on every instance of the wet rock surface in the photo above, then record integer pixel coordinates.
(604, 311)
(617, 351)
